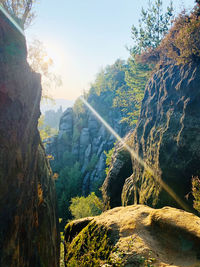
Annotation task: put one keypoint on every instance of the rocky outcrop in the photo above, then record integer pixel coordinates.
(134, 236)
(121, 169)
(84, 139)
(166, 138)
(28, 227)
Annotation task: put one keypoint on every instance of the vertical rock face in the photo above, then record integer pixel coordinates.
(121, 169)
(166, 137)
(28, 225)
(84, 139)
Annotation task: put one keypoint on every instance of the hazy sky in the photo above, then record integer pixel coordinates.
(82, 36)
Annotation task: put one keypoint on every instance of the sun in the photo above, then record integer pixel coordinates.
(56, 53)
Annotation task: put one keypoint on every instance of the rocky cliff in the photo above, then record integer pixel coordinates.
(28, 226)
(134, 236)
(83, 139)
(166, 137)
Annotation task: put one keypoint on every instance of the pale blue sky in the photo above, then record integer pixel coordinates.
(82, 36)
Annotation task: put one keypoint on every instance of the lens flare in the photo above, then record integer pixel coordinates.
(2, 9)
(134, 155)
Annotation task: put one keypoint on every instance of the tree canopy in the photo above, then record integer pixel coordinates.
(154, 23)
(129, 96)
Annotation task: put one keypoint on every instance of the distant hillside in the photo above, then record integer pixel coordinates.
(55, 104)
(52, 118)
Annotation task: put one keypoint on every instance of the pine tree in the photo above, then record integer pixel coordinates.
(153, 25)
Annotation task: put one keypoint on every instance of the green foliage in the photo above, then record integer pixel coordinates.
(68, 185)
(123, 85)
(45, 130)
(153, 25)
(109, 155)
(110, 78)
(86, 206)
(105, 87)
(78, 107)
(129, 97)
(103, 90)
(72, 179)
(196, 192)
(146, 261)
(62, 263)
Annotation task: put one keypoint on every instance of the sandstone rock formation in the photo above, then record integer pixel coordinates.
(28, 227)
(121, 169)
(166, 137)
(84, 138)
(135, 236)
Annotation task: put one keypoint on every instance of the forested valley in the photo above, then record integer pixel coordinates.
(112, 180)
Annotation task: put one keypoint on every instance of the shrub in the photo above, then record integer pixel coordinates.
(86, 206)
(109, 155)
(196, 192)
(181, 44)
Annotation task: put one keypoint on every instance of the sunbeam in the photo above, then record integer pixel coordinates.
(137, 157)
(2, 9)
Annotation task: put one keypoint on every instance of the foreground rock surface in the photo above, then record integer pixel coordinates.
(28, 225)
(135, 236)
(166, 138)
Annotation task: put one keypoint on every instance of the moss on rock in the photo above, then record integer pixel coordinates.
(135, 236)
(91, 247)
